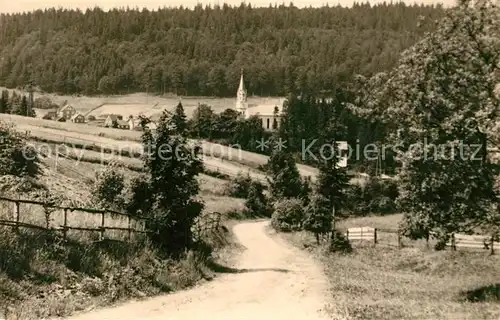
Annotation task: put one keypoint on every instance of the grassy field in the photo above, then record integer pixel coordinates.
(128, 140)
(143, 103)
(410, 283)
(227, 160)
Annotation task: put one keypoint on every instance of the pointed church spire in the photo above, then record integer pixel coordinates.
(242, 83)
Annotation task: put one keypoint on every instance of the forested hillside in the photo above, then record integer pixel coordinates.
(201, 52)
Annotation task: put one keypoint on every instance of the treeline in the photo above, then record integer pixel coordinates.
(282, 49)
(15, 104)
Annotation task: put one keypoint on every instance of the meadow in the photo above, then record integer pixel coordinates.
(414, 283)
(228, 160)
(136, 103)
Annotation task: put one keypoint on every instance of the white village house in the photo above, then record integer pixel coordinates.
(66, 112)
(78, 118)
(271, 120)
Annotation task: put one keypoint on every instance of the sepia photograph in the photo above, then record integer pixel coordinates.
(227, 160)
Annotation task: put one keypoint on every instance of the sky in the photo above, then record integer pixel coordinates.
(11, 6)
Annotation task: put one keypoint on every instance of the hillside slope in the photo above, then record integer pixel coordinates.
(201, 51)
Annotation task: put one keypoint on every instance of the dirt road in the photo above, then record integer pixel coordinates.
(271, 281)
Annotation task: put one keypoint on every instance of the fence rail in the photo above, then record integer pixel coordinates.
(393, 237)
(203, 225)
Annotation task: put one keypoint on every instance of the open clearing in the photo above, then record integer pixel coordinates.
(144, 103)
(271, 280)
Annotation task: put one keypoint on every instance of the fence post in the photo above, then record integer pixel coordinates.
(375, 237)
(427, 240)
(453, 244)
(129, 228)
(399, 240)
(102, 225)
(346, 234)
(18, 215)
(65, 225)
(492, 250)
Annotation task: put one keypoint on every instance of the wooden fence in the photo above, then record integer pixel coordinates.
(105, 218)
(393, 237)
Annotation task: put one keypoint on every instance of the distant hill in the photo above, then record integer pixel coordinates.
(202, 51)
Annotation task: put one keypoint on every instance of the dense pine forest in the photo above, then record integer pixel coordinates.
(282, 49)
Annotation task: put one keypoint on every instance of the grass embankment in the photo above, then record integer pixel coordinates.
(409, 283)
(52, 278)
(40, 277)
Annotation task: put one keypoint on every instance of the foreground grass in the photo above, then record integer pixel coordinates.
(409, 283)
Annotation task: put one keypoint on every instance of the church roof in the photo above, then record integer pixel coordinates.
(265, 110)
(242, 83)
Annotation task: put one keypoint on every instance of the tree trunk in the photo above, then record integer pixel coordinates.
(332, 235)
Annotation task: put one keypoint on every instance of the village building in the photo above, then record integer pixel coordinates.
(51, 115)
(112, 118)
(78, 118)
(134, 124)
(67, 112)
(269, 113)
(122, 124)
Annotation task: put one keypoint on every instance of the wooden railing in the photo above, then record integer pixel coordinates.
(393, 237)
(204, 224)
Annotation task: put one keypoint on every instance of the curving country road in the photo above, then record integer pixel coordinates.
(271, 280)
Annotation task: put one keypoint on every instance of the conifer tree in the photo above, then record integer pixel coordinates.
(179, 119)
(283, 176)
(4, 102)
(332, 184)
(173, 165)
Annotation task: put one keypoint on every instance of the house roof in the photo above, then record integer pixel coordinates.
(76, 115)
(264, 110)
(65, 107)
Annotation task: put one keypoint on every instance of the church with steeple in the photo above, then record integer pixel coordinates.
(269, 112)
(241, 98)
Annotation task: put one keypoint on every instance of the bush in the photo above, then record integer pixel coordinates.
(256, 203)
(288, 215)
(239, 187)
(340, 243)
(17, 158)
(137, 196)
(108, 188)
(377, 196)
(318, 216)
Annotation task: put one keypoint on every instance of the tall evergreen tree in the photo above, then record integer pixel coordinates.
(4, 102)
(179, 119)
(174, 166)
(283, 176)
(332, 184)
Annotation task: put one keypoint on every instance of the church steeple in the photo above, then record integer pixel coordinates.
(241, 97)
(241, 88)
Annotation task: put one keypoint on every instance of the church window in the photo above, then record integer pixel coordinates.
(268, 123)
